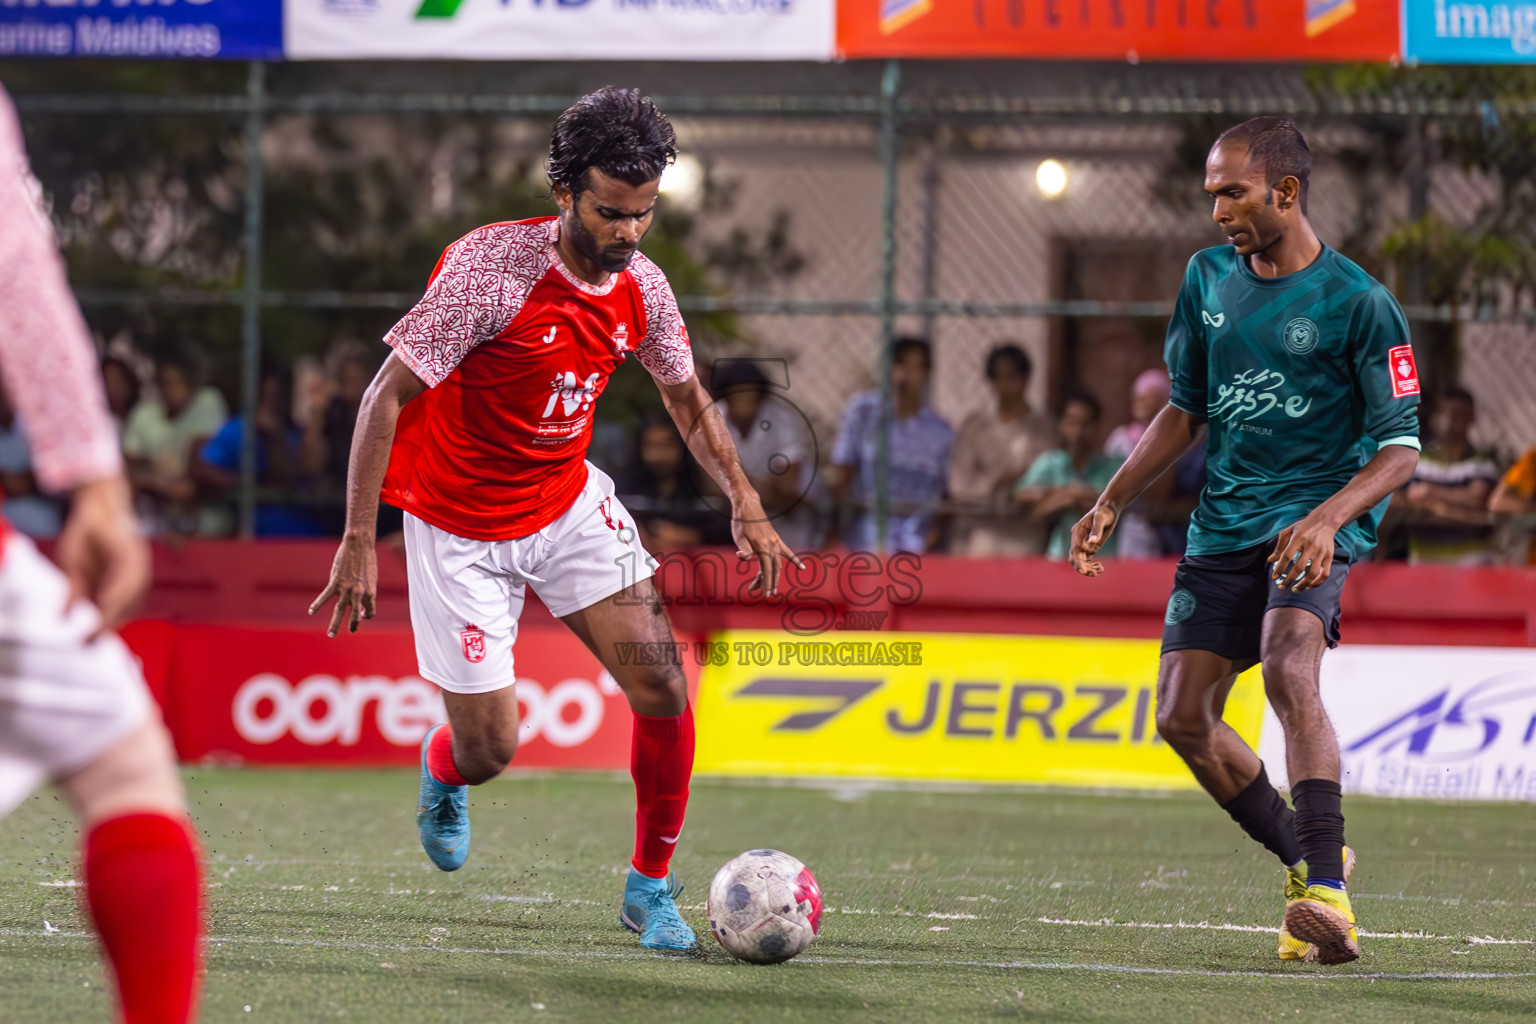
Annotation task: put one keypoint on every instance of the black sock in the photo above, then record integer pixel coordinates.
(1320, 830)
(1264, 816)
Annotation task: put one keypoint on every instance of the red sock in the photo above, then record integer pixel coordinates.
(440, 758)
(661, 762)
(144, 884)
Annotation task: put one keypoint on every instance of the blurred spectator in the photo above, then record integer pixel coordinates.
(658, 491)
(331, 401)
(1136, 534)
(1174, 497)
(122, 387)
(776, 448)
(1516, 496)
(1447, 500)
(992, 450)
(919, 444)
(25, 507)
(1065, 482)
(159, 438)
(278, 464)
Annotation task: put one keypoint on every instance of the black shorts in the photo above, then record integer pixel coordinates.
(1219, 602)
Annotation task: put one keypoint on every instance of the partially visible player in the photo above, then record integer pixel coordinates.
(477, 426)
(1299, 363)
(73, 706)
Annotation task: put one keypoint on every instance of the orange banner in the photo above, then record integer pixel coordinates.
(1201, 30)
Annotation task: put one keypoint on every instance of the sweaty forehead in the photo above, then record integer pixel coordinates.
(617, 194)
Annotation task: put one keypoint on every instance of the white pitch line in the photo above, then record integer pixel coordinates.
(1484, 940)
(1004, 965)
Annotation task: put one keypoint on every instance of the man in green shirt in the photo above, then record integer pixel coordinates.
(1061, 483)
(1300, 364)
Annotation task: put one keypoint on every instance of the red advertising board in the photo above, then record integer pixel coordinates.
(1196, 30)
(267, 694)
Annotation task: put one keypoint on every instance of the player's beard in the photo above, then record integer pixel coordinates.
(584, 243)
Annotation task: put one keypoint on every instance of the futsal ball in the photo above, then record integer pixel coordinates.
(764, 907)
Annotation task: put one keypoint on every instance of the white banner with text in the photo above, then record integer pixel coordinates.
(1443, 723)
(560, 29)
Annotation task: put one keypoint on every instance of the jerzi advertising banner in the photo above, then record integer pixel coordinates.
(562, 29)
(943, 707)
(1451, 723)
(1469, 32)
(150, 29)
(1213, 30)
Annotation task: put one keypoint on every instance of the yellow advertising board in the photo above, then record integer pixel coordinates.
(954, 707)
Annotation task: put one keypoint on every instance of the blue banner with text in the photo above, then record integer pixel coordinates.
(142, 29)
(1469, 32)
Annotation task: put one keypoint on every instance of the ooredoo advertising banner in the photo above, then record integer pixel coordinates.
(561, 29)
(1206, 30)
(234, 29)
(290, 696)
(944, 707)
(1469, 32)
(1448, 723)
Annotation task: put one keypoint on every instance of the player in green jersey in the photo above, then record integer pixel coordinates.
(1299, 365)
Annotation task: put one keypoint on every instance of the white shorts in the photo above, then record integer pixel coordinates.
(63, 702)
(466, 595)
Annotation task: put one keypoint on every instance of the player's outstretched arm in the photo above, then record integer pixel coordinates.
(355, 572)
(1169, 436)
(710, 442)
(1303, 555)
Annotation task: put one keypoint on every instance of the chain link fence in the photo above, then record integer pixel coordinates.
(824, 210)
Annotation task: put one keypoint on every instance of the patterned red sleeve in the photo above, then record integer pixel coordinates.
(479, 288)
(664, 350)
(46, 357)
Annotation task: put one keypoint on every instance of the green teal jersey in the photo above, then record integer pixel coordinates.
(1302, 378)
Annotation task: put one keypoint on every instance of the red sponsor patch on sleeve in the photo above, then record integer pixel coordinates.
(1405, 372)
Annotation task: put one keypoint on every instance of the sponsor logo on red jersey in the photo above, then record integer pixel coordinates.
(1405, 372)
(621, 337)
(473, 639)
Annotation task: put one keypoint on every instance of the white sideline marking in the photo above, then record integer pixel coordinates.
(1005, 965)
(1485, 940)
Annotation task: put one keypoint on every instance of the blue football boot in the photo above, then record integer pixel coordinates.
(442, 817)
(650, 908)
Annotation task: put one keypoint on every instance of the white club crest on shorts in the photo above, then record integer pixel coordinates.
(473, 639)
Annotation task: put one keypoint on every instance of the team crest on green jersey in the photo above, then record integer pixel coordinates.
(1300, 336)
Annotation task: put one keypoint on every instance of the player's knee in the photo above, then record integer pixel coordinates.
(485, 757)
(1182, 729)
(1291, 690)
(659, 691)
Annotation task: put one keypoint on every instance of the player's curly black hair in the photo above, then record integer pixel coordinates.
(618, 131)
(1277, 145)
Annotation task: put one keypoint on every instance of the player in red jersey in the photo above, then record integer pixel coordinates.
(73, 705)
(477, 426)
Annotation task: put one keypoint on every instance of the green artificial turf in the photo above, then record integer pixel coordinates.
(942, 906)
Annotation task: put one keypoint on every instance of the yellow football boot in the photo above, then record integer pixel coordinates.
(1292, 948)
(1323, 918)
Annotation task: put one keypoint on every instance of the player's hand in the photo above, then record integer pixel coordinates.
(354, 583)
(1088, 535)
(101, 551)
(1303, 555)
(756, 538)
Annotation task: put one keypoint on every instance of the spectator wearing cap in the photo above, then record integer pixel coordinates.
(993, 449)
(919, 442)
(1137, 535)
(1447, 499)
(774, 441)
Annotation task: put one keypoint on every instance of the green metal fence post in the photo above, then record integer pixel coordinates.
(250, 293)
(890, 83)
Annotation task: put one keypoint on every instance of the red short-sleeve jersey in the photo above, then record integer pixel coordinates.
(515, 351)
